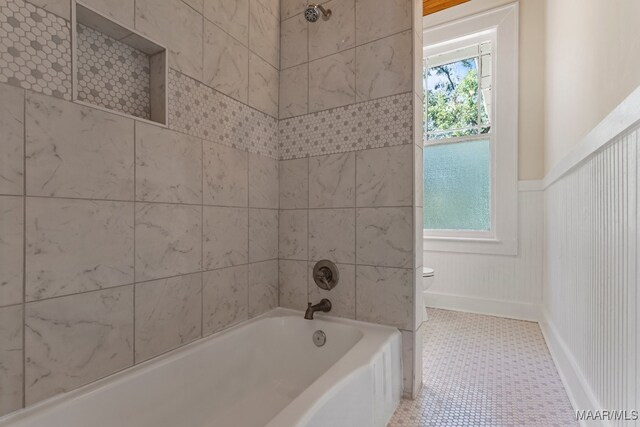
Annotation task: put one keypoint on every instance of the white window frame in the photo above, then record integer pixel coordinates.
(501, 25)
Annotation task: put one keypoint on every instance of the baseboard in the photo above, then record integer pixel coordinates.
(575, 383)
(491, 307)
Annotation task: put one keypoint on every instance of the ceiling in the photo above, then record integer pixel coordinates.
(433, 6)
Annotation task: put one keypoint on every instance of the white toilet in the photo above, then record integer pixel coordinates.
(427, 281)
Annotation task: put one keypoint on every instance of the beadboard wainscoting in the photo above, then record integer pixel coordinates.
(501, 285)
(591, 296)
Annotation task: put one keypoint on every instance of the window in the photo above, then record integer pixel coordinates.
(457, 151)
(470, 134)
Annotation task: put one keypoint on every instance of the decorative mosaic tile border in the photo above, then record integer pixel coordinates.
(198, 110)
(35, 49)
(112, 74)
(378, 123)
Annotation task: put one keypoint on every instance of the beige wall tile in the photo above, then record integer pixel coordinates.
(120, 10)
(294, 91)
(332, 81)
(11, 359)
(11, 249)
(336, 34)
(225, 298)
(77, 151)
(288, 8)
(384, 176)
(332, 235)
(384, 236)
(226, 237)
(263, 85)
(293, 234)
(226, 181)
(195, 4)
(12, 137)
(263, 234)
(384, 295)
(293, 42)
(226, 63)
(419, 177)
(179, 27)
(77, 246)
(264, 33)
(272, 6)
(230, 15)
(263, 287)
(168, 240)
(293, 284)
(384, 67)
(418, 230)
(168, 166)
(332, 181)
(294, 184)
(263, 182)
(77, 339)
(168, 314)
(381, 18)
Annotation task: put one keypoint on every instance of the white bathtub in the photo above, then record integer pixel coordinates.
(264, 372)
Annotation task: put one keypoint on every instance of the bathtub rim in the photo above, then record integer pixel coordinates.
(373, 334)
(358, 358)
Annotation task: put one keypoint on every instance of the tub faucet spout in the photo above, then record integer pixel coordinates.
(324, 305)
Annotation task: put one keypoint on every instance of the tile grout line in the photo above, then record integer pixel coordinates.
(248, 234)
(249, 89)
(355, 51)
(355, 236)
(308, 74)
(24, 247)
(278, 150)
(308, 260)
(349, 48)
(135, 181)
(146, 202)
(350, 105)
(141, 282)
(202, 179)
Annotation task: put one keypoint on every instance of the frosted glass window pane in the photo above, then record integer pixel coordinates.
(457, 186)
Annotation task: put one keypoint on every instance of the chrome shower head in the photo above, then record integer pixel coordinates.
(313, 11)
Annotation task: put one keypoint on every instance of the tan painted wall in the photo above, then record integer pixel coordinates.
(593, 56)
(531, 70)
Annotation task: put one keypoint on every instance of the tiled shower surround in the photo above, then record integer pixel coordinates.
(121, 240)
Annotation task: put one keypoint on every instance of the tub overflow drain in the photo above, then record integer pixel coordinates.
(319, 338)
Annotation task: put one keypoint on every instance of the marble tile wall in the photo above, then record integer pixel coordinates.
(355, 209)
(413, 337)
(126, 240)
(363, 52)
(207, 41)
(348, 162)
(223, 231)
(121, 240)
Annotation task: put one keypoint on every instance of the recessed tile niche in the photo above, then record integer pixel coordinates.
(116, 68)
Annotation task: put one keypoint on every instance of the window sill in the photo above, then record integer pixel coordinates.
(471, 245)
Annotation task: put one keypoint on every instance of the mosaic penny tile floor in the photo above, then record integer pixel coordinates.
(485, 371)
